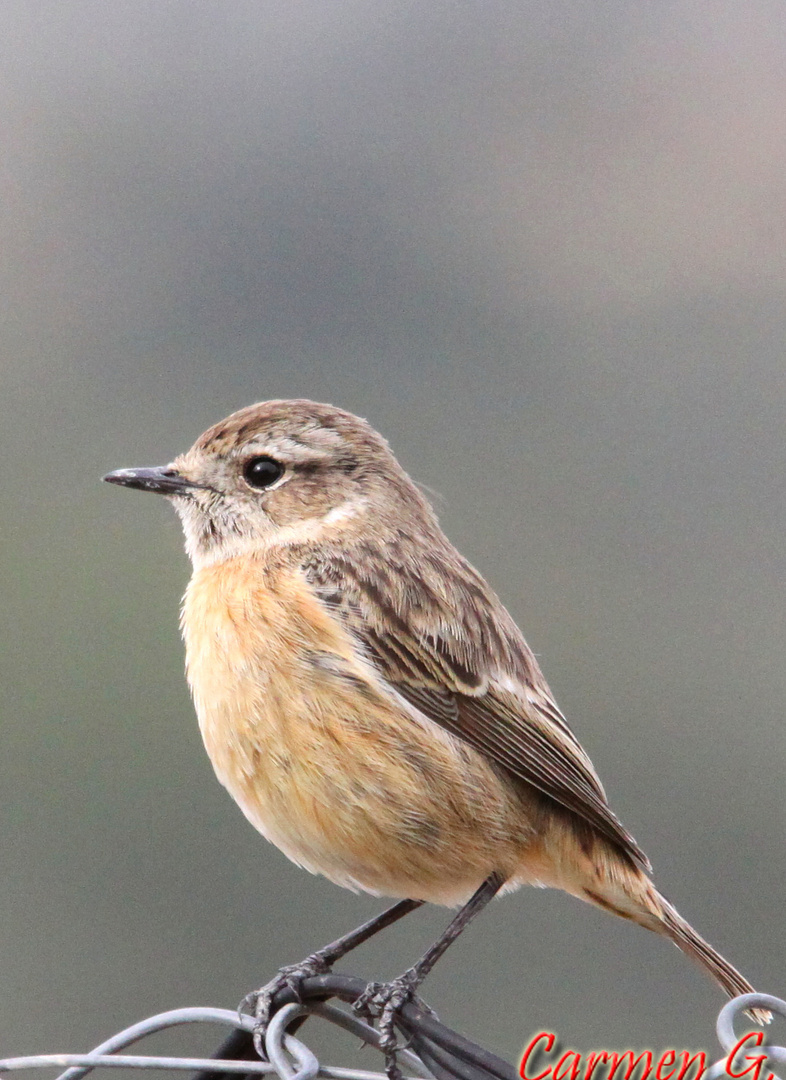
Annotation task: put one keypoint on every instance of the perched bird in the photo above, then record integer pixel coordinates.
(368, 701)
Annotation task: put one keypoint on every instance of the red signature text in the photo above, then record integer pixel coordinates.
(541, 1061)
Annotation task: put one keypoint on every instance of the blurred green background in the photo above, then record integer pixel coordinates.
(540, 246)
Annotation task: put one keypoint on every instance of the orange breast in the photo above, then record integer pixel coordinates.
(250, 633)
(322, 758)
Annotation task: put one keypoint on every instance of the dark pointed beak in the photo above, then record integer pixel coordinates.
(164, 480)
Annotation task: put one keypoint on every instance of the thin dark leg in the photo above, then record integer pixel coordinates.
(341, 946)
(487, 891)
(385, 999)
(318, 963)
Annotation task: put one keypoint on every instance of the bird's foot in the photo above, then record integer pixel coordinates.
(291, 977)
(381, 1002)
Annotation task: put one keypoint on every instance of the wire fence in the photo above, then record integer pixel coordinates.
(429, 1049)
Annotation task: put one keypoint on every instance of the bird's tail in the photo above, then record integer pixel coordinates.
(633, 896)
(692, 944)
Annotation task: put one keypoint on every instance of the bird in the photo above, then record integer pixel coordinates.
(369, 702)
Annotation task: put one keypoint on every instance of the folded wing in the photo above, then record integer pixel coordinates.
(444, 642)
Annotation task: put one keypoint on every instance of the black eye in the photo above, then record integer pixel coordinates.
(261, 472)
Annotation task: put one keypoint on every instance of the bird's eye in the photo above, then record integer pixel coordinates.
(261, 472)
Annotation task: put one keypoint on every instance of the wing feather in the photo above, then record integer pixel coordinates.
(447, 645)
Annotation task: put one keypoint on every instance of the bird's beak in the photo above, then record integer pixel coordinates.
(163, 479)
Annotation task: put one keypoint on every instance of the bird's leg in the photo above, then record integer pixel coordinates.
(318, 963)
(383, 1000)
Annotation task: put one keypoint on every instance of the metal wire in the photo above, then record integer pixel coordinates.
(432, 1051)
(734, 1010)
(442, 1053)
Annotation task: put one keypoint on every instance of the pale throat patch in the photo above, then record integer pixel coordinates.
(229, 543)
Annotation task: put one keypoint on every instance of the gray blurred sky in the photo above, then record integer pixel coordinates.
(540, 246)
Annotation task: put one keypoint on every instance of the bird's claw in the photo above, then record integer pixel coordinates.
(259, 1002)
(381, 1002)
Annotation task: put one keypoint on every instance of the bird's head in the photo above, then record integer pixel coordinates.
(281, 472)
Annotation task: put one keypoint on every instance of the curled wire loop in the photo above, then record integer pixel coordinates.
(428, 1047)
(732, 1012)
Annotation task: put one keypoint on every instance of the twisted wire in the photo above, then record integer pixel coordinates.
(429, 1050)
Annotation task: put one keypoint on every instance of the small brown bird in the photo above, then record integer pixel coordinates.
(368, 701)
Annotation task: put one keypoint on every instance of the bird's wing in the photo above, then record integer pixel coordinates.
(445, 643)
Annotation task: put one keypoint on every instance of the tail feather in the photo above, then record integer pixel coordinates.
(609, 878)
(625, 891)
(672, 924)
(692, 944)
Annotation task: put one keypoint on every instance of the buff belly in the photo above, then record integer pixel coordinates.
(325, 763)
